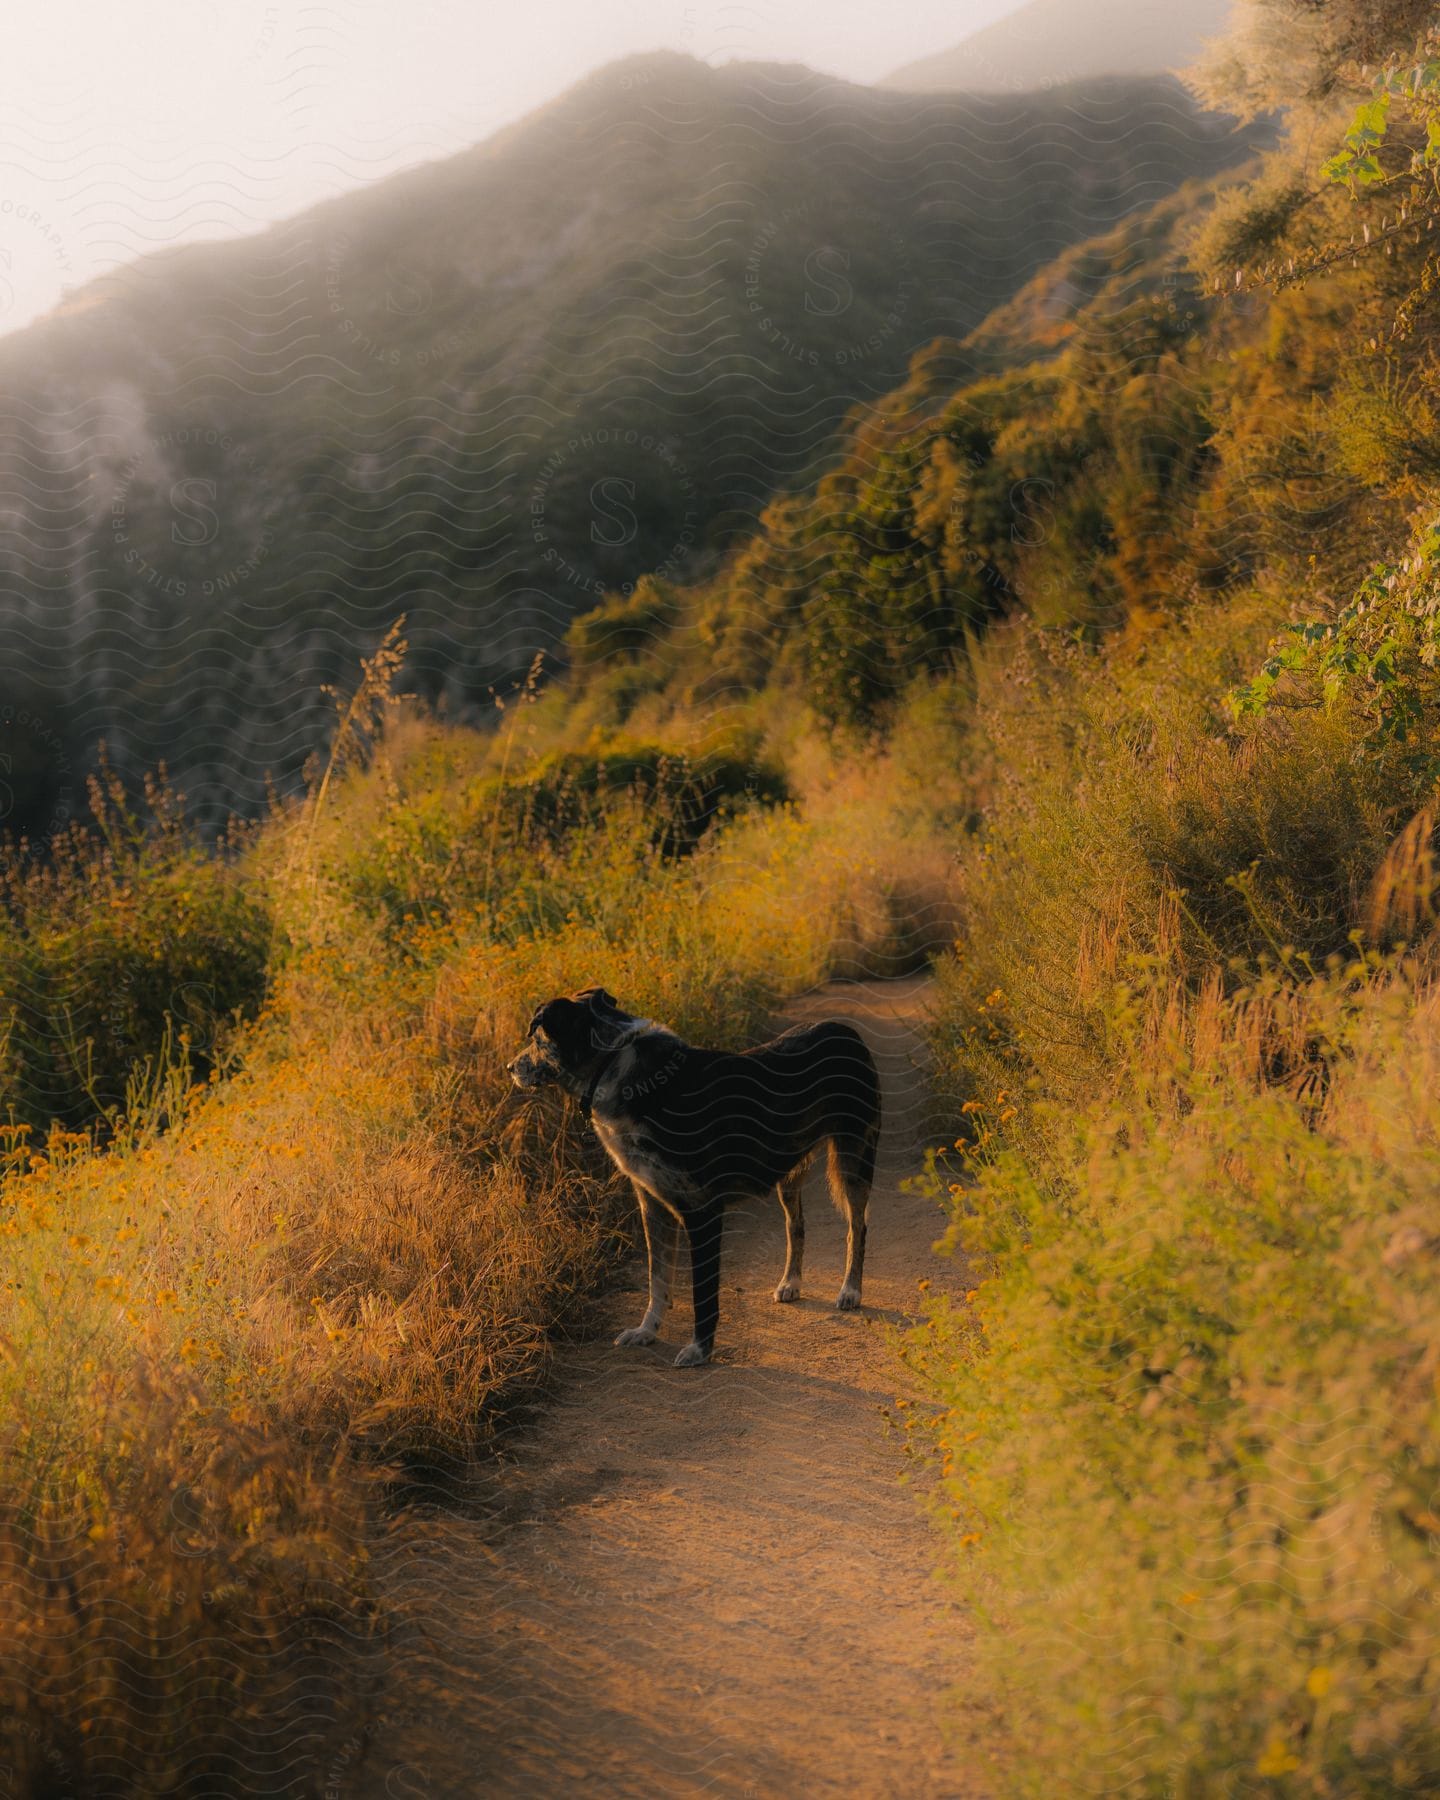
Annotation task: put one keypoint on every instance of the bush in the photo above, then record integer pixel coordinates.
(127, 944)
(625, 626)
(1189, 1435)
(183, 1599)
(438, 843)
(1188, 1419)
(353, 1250)
(684, 791)
(1131, 832)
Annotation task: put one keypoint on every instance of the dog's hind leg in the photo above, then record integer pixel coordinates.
(851, 1169)
(662, 1245)
(789, 1192)
(704, 1229)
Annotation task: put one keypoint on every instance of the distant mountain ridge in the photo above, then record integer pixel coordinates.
(486, 390)
(1050, 42)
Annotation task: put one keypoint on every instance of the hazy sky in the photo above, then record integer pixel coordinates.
(127, 128)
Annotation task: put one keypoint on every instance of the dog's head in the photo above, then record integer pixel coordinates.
(566, 1037)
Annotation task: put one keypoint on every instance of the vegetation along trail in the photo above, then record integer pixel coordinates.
(704, 1582)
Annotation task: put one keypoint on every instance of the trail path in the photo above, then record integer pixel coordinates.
(703, 1582)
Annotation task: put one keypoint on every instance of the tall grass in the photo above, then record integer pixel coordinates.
(1187, 1418)
(1129, 834)
(118, 941)
(342, 1256)
(1189, 1436)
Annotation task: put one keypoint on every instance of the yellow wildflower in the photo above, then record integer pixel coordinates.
(1277, 1758)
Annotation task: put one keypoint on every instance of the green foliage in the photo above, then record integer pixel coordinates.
(1186, 1444)
(1148, 447)
(1130, 835)
(127, 945)
(1358, 164)
(508, 847)
(1277, 229)
(547, 417)
(1377, 658)
(1065, 490)
(888, 593)
(684, 792)
(627, 625)
(1188, 1429)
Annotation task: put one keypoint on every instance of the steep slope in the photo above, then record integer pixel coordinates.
(1058, 459)
(487, 390)
(1052, 41)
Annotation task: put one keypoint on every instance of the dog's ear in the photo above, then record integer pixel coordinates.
(565, 1024)
(603, 1013)
(550, 1017)
(600, 999)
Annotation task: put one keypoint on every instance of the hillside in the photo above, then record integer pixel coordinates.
(1057, 460)
(485, 391)
(1050, 41)
(1099, 671)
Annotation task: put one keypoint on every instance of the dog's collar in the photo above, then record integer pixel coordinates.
(602, 1069)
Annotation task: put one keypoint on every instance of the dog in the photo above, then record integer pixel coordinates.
(697, 1129)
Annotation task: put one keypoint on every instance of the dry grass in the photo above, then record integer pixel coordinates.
(351, 1252)
(1130, 837)
(179, 1599)
(1187, 1426)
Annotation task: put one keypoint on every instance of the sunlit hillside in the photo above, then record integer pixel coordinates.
(1094, 671)
(489, 390)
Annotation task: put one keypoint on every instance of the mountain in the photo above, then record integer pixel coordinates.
(485, 391)
(1053, 41)
(1052, 461)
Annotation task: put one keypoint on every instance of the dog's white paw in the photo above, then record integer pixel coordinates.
(848, 1299)
(691, 1355)
(637, 1334)
(787, 1290)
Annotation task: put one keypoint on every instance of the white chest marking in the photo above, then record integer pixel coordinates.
(632, 1153)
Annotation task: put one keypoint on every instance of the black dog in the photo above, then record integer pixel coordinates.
(695, 1129)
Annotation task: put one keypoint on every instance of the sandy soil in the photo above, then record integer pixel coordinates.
(702, 1581)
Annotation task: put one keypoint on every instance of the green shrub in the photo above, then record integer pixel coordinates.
(1188, 1414)
(122, 945)
(437, 847)
(685, 790)
(1131, 832)
(627, 625)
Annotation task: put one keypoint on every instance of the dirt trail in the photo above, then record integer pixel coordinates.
(703, 1582)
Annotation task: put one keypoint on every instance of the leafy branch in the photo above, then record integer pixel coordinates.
(1358, 163)
(1379, 654)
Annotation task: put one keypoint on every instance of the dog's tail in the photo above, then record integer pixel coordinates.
(850, 1169)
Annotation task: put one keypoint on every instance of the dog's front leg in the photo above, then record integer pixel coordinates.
(662, 1244)
(704, 1229)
